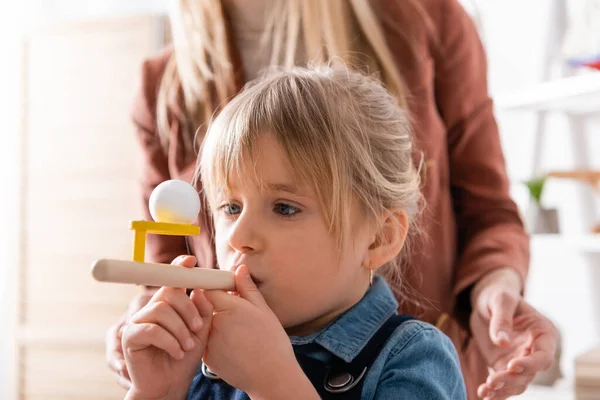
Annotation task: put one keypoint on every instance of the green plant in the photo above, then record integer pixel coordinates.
(536, 188)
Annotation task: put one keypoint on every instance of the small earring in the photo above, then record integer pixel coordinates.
(370, 277)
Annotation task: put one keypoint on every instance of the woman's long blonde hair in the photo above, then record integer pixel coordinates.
(200, 75)
(357, 147)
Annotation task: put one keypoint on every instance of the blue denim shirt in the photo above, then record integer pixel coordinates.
(417, 362)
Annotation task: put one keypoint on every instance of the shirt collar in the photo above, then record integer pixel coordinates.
(347, 335)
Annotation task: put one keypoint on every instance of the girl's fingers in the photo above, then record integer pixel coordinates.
(222, 301)
(204, 307)
(163, 314)
(182, 304)
(140, 336)
(185, 260)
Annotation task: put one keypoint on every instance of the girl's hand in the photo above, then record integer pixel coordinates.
(114, 350)
(515, 339)
(249, 349)
(163, 343)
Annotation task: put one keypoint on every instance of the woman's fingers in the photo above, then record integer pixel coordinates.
(503, 306)
(505, 390)
(531, 364)
(163, 314)
(123, 372)
(114, 351)
(139, 336)
(539, 359)
(124, 383)
(120, 369)
(504, 384)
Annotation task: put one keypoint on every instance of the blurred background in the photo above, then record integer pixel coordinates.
(69, 169)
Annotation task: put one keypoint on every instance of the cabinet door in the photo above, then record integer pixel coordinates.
(79, 170)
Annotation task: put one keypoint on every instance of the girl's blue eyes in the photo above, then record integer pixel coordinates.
(284, 210)
(232, 209)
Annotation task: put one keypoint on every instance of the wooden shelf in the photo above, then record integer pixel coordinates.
(576, 94)
(585, 243)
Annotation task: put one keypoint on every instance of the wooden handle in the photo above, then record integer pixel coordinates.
(150, 274)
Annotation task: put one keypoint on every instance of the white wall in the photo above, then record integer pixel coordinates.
(560, 282)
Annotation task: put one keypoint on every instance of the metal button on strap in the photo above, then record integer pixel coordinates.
(343, 381)
(208, 373)
(340, 380)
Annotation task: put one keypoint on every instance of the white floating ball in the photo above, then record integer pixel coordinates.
(174, 201)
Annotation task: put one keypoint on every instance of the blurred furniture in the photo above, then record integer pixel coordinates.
(575, 98)
(587, 375)
(562, 390)
(79, 169)
(582, 40)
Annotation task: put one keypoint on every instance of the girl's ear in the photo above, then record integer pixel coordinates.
(389, 239)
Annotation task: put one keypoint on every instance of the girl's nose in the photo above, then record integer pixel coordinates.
(244, 236)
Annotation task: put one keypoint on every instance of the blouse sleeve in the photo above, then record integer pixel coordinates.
(490, 231)
(155, 169)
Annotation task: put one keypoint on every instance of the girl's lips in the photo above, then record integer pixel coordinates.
(257, 282)
(252, 276)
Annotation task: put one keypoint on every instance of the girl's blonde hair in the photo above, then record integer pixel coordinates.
(200, 75)
(342, 132)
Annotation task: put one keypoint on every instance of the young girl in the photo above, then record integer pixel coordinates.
(428, 54)
(310, 179)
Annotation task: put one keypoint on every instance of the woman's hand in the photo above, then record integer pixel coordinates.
(249, 349)
(164, 342)
(114, 350)
(515, 339)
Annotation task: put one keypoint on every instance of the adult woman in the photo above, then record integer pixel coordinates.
(428, 54)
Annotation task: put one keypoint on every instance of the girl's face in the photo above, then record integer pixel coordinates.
(280, 233)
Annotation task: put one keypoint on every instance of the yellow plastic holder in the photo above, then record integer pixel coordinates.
(142, 228)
